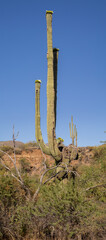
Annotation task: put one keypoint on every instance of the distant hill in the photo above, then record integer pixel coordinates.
(10, 143)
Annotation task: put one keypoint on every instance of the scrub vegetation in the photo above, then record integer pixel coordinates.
(73, 208)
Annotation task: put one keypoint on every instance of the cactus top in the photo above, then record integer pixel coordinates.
(55, 49)
(47, 11)
(37, 81)
(59, 139)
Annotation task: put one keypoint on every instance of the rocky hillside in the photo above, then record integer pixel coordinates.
(32, 154)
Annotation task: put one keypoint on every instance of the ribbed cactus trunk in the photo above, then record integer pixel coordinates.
(51, 92)
(38, 133)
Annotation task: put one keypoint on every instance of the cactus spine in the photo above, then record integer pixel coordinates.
(73, 131)
(52, 58)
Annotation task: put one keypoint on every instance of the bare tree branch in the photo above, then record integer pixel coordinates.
(41, 180)
(18, 177)
(7, 168)
(14, 139)
(14, 163)
(10, 232)
(13, 175)
(100, 185)
(42, 176)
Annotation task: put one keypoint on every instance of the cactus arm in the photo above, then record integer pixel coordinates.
(73, 141)
(51, 93)
(55, 65)
(38, 133)
(70, 128)
(74, 131)
(72, 125)
(75, 134)
(76, 137)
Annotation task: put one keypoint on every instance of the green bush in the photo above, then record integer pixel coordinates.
(11, 192)
(31, 145)
(24, 164)
(62, 210)
(7, 148)
(55, 208)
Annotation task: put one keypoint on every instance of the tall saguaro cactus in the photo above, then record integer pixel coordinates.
(51, 97)
(50, 84)
(52, 58)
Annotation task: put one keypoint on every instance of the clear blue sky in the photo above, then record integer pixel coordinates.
(79, 31)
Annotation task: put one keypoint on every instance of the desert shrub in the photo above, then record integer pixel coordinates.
(99, 151)
(10, 190)
(62, 210)
(31, 144)
(24, 165)
(1, 154)
(22, 220)
(94, 177)
(31, 182)
(7, 148)
(55, 209)
(18, 151)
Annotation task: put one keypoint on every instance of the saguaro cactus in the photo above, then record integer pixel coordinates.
(51, 92)
(73, 131)
(39, 138)
(52, 58)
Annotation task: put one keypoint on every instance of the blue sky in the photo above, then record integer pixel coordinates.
(79, 31)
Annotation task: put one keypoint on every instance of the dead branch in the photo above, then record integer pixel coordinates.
(53, 176)
(100, 185)
(41, 180)
(14, 163)
(10, 232)
(7, 168)
(17, 179)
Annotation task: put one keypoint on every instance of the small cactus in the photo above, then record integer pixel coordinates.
(103, 141)
(73, 131)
